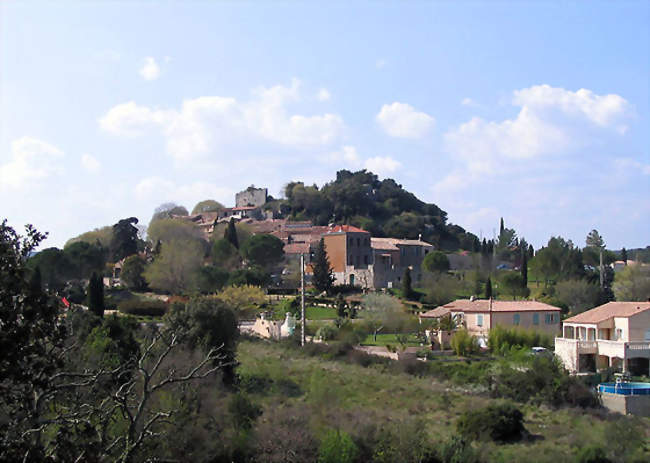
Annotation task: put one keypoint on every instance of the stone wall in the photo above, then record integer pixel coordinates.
(627, 404)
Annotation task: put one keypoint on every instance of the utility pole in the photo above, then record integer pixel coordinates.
(602, 270)
(302, 298)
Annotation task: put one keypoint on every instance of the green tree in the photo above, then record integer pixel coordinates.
(100, 237)
(382, 311)
(488, 288)
(124, 242)
(167, 211)
(524, 268)
(577, 295)
(85, 258)
(175, 269)
(624, 255)
(436, 261)
(263, 250)
(407, 286)
(230, 234)
(132, 274)
(225, 255)
(594, 240)
(511, 282)
(32, 342)
(166, 229)
(208, 205)
(632, 283)
(463, 343)
(55, 267)
(322, 270)
(96, 295)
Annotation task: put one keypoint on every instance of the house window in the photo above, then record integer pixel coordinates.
(549, 318)
(479, 320)
(351, 261)
(535, 319)
(516, 318)
(351, 242)
(619, 334)
(358, 242)
(365, 260)
(366, 242)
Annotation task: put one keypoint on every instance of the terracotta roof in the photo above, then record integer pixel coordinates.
(345, 229)
(414, 243)
(436, 313)
(483, 305)
(296, 248)
(609, 310)
(384, 244)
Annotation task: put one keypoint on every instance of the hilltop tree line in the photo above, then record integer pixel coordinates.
(384, 208)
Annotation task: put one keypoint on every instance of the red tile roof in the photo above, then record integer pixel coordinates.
(296, 248)
(345, 229)
(609, 310)
(483, 305)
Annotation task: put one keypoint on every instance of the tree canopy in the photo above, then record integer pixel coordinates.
(263, 250)
(435, 261)
(208, 205)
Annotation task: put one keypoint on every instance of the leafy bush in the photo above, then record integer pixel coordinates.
(457, 450)
(243, 412)
(500, 422)
(152, 308)
(592, 454)
(502, 339)
(327, 332)
(463, 343)
(337, 447)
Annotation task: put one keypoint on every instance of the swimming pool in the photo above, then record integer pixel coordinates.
(625, 388)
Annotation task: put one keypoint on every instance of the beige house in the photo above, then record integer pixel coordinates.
(616, 334)
(479, 315)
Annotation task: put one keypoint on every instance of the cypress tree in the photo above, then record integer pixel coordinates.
(524, 269)
(488, 288)
(624, 255)
(407, 289)
(231, 233)
(323, 278)
(96, 295)
(501, 228)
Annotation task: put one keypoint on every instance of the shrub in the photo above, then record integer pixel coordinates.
(592, 454)
(502, 339)
(457, 450)
(327, 332)
(463, 343)
(337, 447)
(152, 308)
(243, 412)
(500, 422)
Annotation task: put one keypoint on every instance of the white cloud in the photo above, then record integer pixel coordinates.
(546, 124)
(632, 165)
(90, 163)
(347, 156)
(150, 69)
(402, 120)
(323, 95)
(380, 63)
(602, 110)
(468, 102)
(202, 124)
(382, 165)
(31, 160)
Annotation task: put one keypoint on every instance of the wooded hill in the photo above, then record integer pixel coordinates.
(383, 208)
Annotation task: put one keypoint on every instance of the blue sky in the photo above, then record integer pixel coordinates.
(534, 111)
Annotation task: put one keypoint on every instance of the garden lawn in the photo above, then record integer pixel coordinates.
(383, 339)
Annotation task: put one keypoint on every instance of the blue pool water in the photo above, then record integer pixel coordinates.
(625, 388)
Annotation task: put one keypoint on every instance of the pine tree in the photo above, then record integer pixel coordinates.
(488, 288)
(231, 233)
(524, 269)
(501, 228)
(531, 251)
(96, 295)
(624, 255)
(323, 278)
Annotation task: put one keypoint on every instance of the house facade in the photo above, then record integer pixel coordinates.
(614, 335)
(480, 315)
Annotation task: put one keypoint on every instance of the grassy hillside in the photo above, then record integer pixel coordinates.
(411, 412)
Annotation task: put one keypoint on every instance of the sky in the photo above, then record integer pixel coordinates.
(537, 112)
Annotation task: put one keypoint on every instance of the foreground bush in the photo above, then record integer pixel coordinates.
(500, 422)
(502, 339)
(337, 447)
(463, 343)
(138, 307)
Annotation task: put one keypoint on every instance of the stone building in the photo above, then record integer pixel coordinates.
(251, 197)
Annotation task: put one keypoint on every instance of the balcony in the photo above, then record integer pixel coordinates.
(580, 346)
